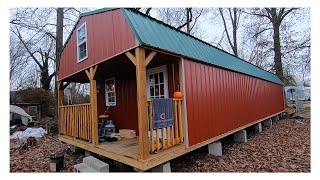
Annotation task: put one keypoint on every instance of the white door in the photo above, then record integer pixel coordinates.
(157, 87)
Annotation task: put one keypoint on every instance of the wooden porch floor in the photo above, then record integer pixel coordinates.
(123, 147)
(127, 151)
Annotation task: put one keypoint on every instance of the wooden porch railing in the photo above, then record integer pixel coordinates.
(171, 135)
(75, 121)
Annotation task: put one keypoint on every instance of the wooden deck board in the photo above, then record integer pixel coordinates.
(126, 151)
(124, 147)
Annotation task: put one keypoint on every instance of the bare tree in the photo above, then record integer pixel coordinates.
(184, 19)
(59, 46)
(78, 93)
(32, 27)
(42, 60)
(18, 59)
(234, 16)
(36, 28)
(276, 17)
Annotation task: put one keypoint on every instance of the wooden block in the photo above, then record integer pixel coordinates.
(127, 133)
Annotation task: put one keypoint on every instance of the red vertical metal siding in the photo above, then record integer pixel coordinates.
(219, 100)
(125, 113)
(173, 80)
(108, 34)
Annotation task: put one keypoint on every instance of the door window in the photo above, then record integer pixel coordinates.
(157, 83)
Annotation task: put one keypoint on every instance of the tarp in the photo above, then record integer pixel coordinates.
(24, 116)
(298, 92)
(29, 132)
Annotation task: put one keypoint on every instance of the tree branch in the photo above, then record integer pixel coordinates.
(258, 14)
(148, 11)
(195, 20)
(187, 21)
(286, 13)
(26, 47)
(265, 29)
(225, 27)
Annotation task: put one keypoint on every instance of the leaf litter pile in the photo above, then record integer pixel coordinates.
(284, 147)
(37, 158)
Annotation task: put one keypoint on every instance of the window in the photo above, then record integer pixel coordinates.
(110, 89)
(82, 44)
(157, 86)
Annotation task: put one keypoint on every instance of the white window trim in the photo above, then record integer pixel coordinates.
(80, 43)
(106, 93)
(165, 79)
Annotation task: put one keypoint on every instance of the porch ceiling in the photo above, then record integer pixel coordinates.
(119, 64)
(106, 68)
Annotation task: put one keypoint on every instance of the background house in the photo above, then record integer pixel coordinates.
(31, 107)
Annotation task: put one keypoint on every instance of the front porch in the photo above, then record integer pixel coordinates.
(127, 151)
(78, 123)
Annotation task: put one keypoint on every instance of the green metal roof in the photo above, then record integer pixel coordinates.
(152, 32)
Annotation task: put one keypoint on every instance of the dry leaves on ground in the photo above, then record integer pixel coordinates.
(36, 158)
(285, 147)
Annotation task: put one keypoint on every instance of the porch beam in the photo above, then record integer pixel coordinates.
(132, 58)
(150, 57)
(91, 72)
(93, 102)
(88, 74)
(142, 102)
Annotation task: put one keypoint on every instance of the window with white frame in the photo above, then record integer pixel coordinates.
(82, 44)
(110, 89)
(157, 82)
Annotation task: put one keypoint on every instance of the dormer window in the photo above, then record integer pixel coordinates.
(82, 44)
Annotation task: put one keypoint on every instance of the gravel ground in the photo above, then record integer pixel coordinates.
(285, 147)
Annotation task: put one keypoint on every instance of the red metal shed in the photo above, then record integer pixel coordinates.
(129, 59)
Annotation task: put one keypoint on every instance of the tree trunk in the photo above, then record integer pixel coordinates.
(233, 44)
(188, 20)
(277, 49)
(45, 79)
(234, 29)
(59, 46)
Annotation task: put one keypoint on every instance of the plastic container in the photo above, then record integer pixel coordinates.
(56, 162)
(109, 128)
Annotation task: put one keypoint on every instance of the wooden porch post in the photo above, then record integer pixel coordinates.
(93, 102)
(60, 103)
(141, 62)
(142, 102)
(60, 94)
